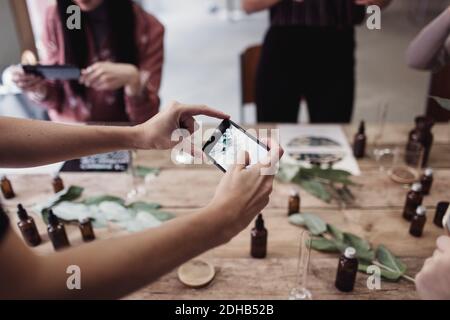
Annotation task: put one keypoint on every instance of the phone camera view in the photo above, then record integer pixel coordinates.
(230, 142)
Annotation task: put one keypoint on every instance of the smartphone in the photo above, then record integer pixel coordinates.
(53, 72)
(228, 140)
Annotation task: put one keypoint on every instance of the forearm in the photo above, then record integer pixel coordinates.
(251, 6)
(27, 143)
(423, 51)
(117, 267)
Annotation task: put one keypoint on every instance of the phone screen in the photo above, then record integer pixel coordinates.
(226, 143)
(53, 72)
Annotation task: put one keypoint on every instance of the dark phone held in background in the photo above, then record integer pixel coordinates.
(53, 72)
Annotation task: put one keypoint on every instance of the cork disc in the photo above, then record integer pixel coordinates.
(403, 175)
(196, 273)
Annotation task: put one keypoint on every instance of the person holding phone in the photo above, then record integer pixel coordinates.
(308, 53)
(144, 257)
(119, 49)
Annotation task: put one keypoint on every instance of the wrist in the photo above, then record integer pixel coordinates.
(133, 86)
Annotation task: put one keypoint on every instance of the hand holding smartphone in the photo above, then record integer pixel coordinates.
(228, 140)
(53, 72)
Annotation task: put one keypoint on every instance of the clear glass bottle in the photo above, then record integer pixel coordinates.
(414, 199)
(300, 290)
(418, 222)
(347, 270)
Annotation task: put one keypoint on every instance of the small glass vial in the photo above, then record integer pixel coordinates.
(294, 202)
(259, 239)
(427, 181)
(359, 144)
(87, 231)
(414, 199)
(441, 209)
(58, 184)
(28, 227)
(347, 269)
(418, 222)
(57, 232)
(7, 189)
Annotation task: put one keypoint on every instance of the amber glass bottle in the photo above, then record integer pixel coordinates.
(422, 135)
(418, 222)
(57, 183)
(87, 231)
(259, 239)
(427, 181)
(359, 144)
(57, 232)
(28, 227)
(7, 189)
(294, 202)
(414, 199)
(347, 269)
(441, 210)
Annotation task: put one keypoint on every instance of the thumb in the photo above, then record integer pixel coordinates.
(242, 161)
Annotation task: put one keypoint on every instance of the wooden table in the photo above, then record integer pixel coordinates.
(182, 189)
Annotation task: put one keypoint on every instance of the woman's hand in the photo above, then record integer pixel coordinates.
(433, 281)
(242, 194)
(109, 76)
(28, 82)
(157, 132)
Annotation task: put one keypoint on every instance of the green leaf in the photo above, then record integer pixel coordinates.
(385, 274)
(144, 206)
(316, 188)
(68, 194)
(162, 215)
(332, 175)
(444, 103)
(141, 171)
(97, 200)
(322, 244)
(363, 248)
(314, 224)
(297, 219)
(385, 257)
(335, 232)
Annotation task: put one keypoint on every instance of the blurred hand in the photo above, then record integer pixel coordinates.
(381, 3)
(433, 281)
(108, 76)
(28, 82)
(157, 132)
(241, 195)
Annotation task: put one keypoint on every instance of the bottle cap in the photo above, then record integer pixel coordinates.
(295, 192)
(362, 127)
(350, 253)
(21, 212)
(416, 187)
(421, 211)
(259, 224)
(52, 218)
(428, 172)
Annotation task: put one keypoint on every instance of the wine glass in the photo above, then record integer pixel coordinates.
(138, 181)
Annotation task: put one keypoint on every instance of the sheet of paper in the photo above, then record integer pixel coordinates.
(49, 169)
(303, 143)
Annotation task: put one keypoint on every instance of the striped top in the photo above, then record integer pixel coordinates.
(317, 13)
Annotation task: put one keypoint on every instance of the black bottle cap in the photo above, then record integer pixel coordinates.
(52, 218)
(362, 128)
(259, 222)
(21, 212)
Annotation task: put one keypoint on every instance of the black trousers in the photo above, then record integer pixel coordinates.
(315, 64)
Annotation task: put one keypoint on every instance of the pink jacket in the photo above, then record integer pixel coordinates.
(103, 106)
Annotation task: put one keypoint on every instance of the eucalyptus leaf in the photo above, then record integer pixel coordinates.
(141, 171)
(332, 175)
(97, 200)
(144, 206)
(316, 188)
(335, 232)
(385, 257)
(363, 248)
(68, 194)
(297, 219)
(323, 244)
(162, 215)
(444, 103)
(314, 224)
(385, 274)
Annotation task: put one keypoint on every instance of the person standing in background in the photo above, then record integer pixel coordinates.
(120, 51)
(308, 53)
